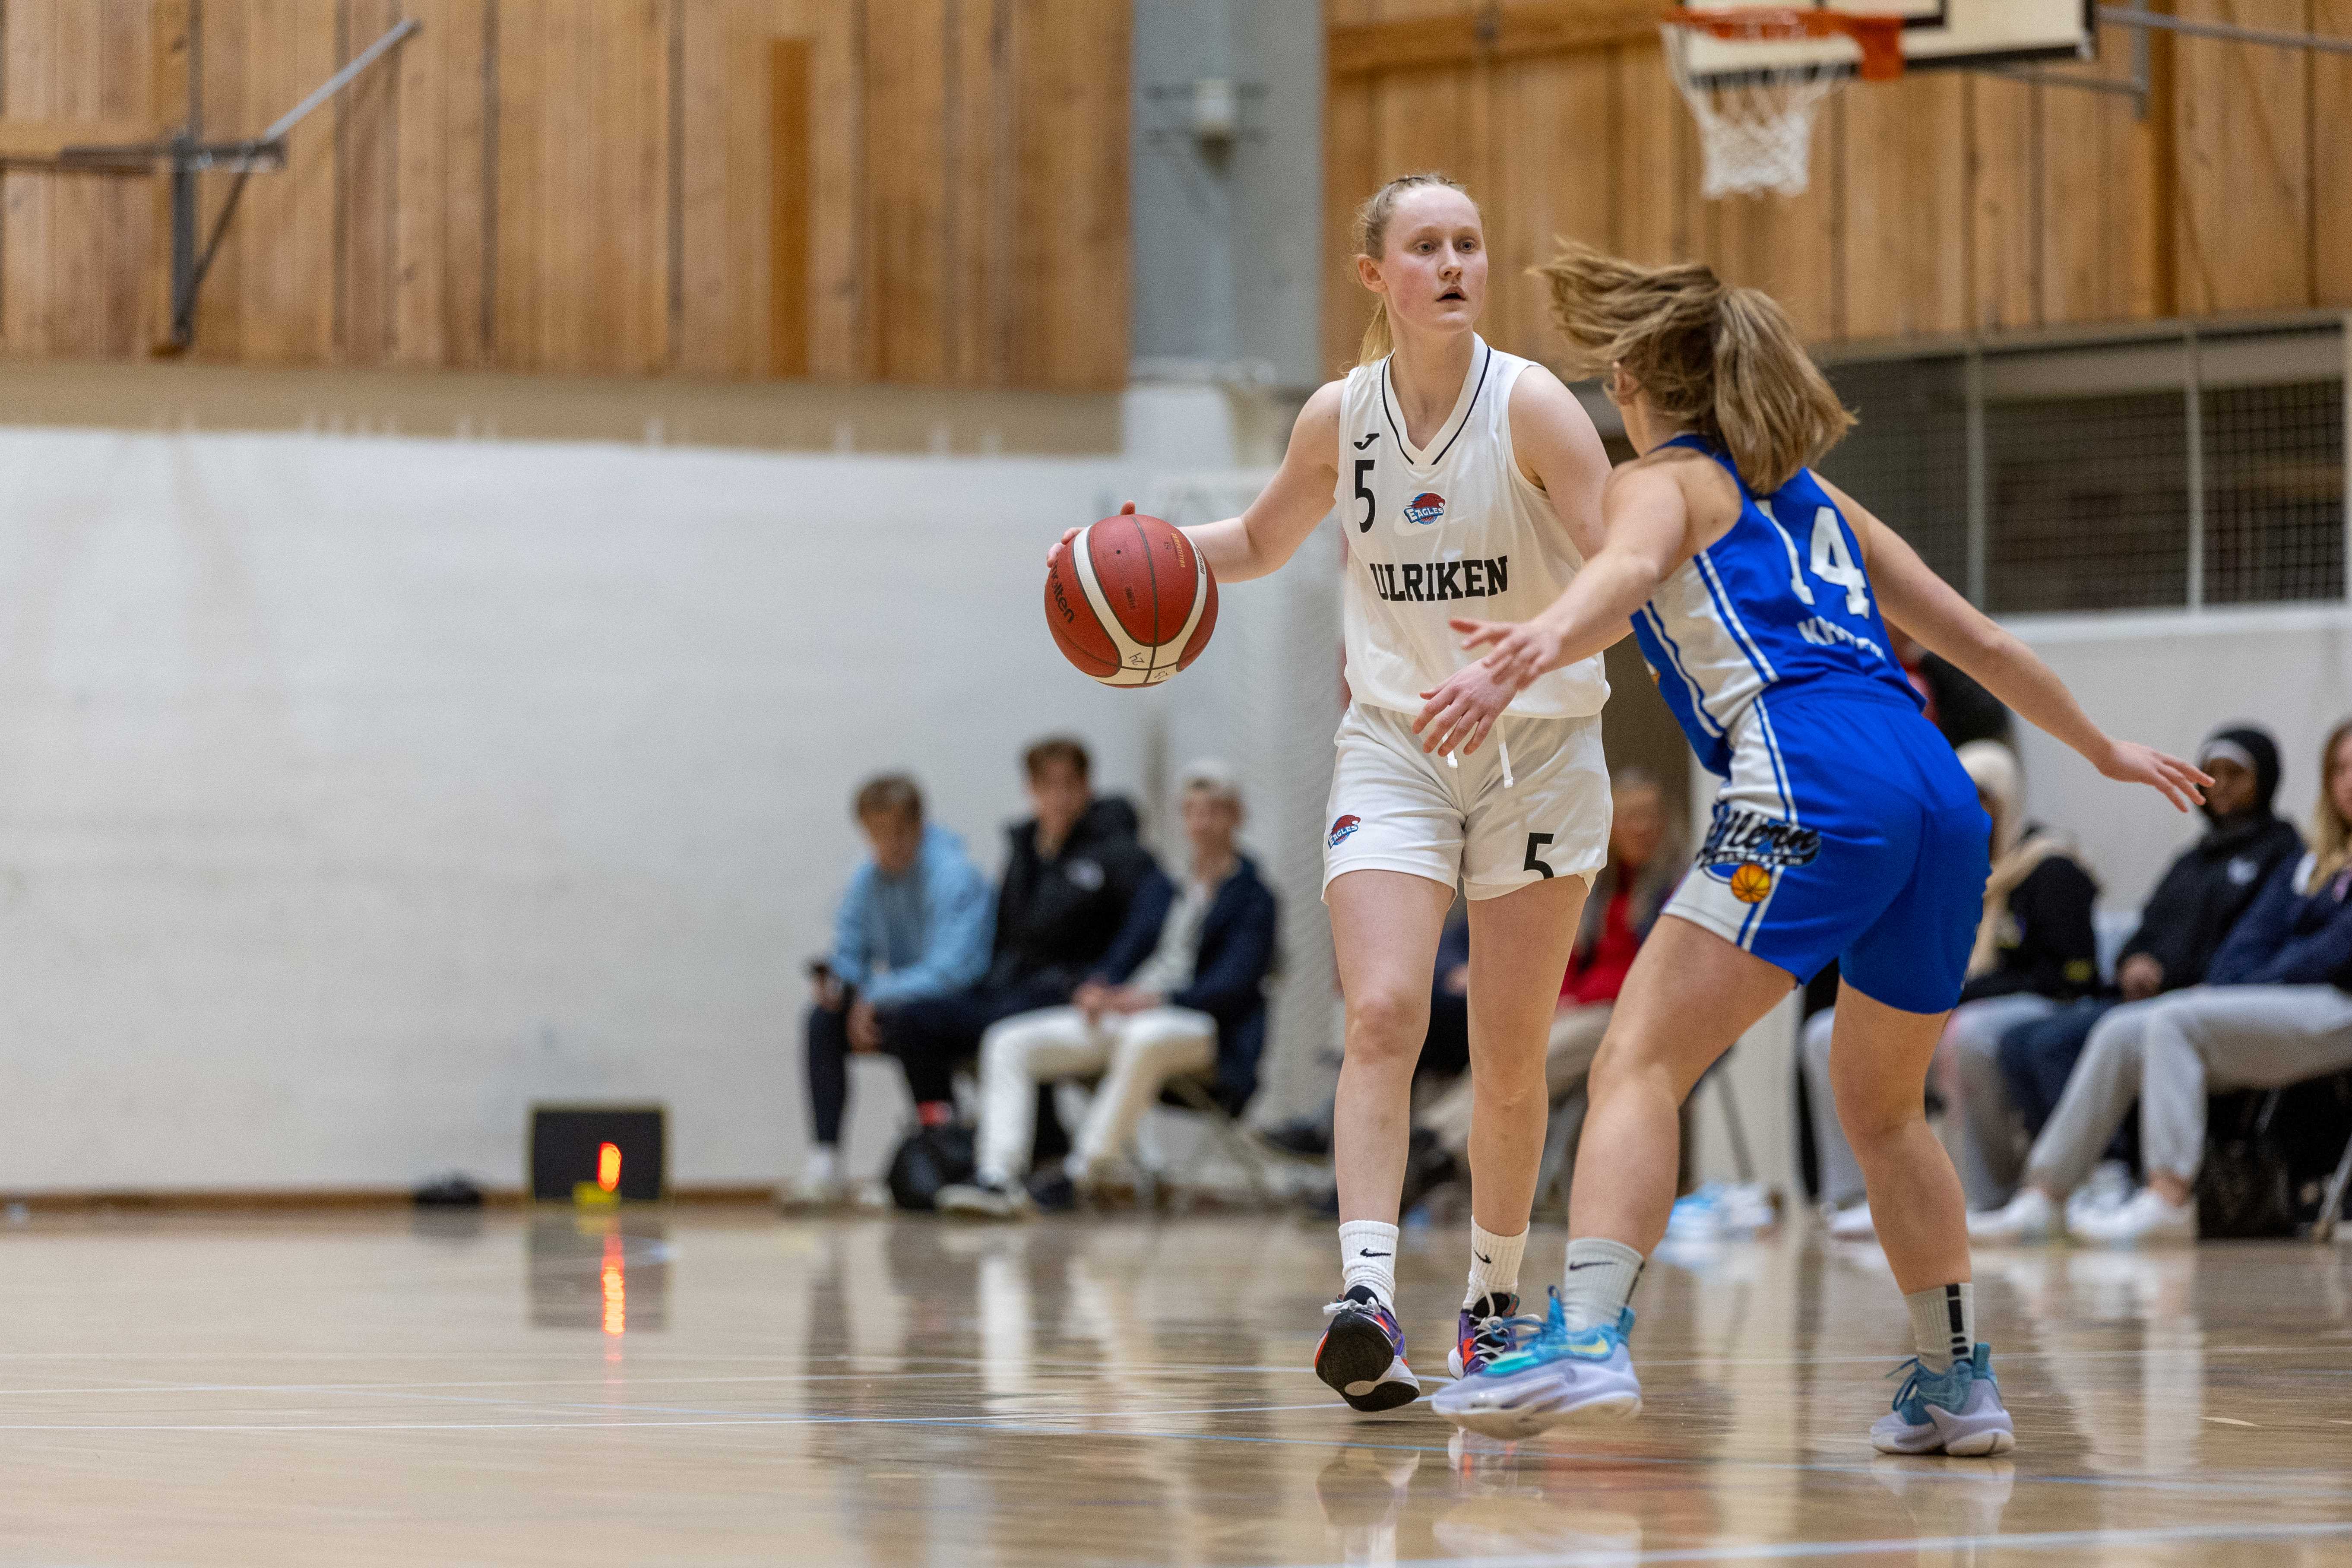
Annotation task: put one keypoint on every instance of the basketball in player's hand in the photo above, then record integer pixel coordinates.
(1130, 601)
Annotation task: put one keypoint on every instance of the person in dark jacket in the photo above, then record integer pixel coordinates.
(1182, 991)
(2035, 952)
(2272, 1012)
(2184, 922)
(1073, 874)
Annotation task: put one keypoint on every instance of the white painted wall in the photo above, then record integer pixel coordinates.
(354, 795)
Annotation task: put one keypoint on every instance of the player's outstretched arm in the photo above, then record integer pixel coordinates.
(1259, 540)
(1931, 610)
(1649, 535)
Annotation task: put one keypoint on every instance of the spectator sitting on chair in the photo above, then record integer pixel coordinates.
(1182, 991)
(2035, 950)
(912, 924)
(2184, 923)
(2273, 1011)
(1072, 872)
(1646, 859)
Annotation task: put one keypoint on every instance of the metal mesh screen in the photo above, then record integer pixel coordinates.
(2273, 493)
(1907, 460)
(2087, 503)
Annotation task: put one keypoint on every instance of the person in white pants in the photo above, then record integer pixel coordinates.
(2274, 1012)
(2035, 949)
(1188, 971)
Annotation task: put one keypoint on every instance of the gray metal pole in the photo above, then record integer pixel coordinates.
(1978, 481)
(2193, 392)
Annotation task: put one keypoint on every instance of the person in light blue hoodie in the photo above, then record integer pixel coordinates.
(914, 923)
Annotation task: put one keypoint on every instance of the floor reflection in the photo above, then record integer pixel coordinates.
(606, 1271)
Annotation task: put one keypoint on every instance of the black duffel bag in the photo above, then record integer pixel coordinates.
(930, 1158)
(2246, 1189)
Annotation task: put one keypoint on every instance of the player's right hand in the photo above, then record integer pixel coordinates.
(1054, 555)
(2128, 761)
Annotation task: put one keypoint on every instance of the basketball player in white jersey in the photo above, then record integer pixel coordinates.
(1468, 482)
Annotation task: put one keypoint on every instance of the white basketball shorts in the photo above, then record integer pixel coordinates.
(1396, 808)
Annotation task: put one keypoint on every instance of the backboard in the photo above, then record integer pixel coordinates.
(1935, 34)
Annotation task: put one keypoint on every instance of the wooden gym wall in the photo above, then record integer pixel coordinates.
(920, 191)
(1947, 203)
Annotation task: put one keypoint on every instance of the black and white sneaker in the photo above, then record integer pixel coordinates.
(986, 1200)
(1362, 1354)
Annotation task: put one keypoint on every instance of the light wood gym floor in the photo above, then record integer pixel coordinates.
(729, 1388)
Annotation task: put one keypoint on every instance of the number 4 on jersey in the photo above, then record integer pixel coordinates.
(1832, 563)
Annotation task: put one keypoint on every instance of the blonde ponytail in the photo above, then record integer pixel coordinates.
(1371, 230)
(1726, 362)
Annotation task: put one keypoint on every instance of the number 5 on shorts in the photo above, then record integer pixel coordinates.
(1535, 842)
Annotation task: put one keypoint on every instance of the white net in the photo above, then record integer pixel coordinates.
(1756, 124)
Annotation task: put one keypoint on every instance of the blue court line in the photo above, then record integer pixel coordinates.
(2040, 1540)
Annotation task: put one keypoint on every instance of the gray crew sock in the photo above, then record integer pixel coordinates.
(1943, 1324)
(1600, 1278)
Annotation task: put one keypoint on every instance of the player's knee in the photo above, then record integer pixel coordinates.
(1383, 1020)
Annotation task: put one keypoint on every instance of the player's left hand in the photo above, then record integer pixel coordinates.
(1458, 715)
(2128, 761)
(1517, 651)
(1054, 551)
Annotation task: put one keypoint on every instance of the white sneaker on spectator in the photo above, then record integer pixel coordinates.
(812, 1191)
(2146, 1217)
(2109, 1188)
(1853, 1223)
(2028, 1216)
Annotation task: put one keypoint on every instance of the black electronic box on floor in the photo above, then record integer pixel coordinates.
(598, 1154)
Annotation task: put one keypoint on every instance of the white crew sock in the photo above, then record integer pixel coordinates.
(823, 1166)
(1943, 1324)
(1494, 1264)
(1368, 1257)
(1600, 1278)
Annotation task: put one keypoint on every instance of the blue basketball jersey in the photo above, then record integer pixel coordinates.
(1779, 603)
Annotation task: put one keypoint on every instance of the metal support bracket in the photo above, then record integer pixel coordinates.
(2139, 19)
(182, 157)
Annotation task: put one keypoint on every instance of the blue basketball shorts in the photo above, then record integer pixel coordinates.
(1847, 830)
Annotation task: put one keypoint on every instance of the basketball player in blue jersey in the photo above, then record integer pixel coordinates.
(1465, 478)
(1845, 828)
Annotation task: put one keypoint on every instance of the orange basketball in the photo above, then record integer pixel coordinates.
(1130, 601)
(1750, 882)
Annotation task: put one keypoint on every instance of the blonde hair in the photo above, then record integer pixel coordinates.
(2331, 836)
(1725, 362)
(1372, 231)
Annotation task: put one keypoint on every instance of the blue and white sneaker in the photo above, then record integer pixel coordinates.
(1362, 1354)
(1957, 1412)
(1550, 1376)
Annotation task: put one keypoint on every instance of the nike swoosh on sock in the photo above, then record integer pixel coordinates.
(1368, 1252)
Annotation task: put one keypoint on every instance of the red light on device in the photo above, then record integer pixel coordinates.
(608, 1166)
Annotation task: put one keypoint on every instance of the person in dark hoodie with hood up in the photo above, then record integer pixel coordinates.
(1073, 870)
(2185, 921)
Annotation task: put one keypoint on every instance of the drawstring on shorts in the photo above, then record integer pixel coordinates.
(1453, 759)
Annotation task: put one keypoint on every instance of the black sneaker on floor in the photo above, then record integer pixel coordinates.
(1053, 1193)
(1362, 1354)
(1301, 1140)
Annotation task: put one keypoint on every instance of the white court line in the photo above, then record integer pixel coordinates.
(2041, 1541)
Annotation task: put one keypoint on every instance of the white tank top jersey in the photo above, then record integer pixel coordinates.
(1450, 529)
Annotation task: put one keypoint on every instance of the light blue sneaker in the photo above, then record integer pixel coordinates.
(1549, 1376)
(1957, 1412)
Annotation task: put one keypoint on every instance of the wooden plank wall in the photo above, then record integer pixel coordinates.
(1943, 204)
(553, 185)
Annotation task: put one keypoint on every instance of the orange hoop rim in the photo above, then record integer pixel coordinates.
(1879, 35)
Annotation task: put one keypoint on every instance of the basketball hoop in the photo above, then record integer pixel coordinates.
(1754, 100)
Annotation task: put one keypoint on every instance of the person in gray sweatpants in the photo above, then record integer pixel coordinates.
(2276, 1010)
(2170, 1053)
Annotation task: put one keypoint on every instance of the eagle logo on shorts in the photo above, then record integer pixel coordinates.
(1344, 829)
(1425, 508)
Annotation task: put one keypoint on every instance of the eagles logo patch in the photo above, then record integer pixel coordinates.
(1344, 829)
(1425, 508)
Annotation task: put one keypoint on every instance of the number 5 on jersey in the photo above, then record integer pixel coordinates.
(1364, 523)
(1832, 563)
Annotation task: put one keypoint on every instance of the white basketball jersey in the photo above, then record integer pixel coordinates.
(1452, 529)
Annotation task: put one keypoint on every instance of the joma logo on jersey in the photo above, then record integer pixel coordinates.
(1738, 837)
(1435, 582)
(1425, 508)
